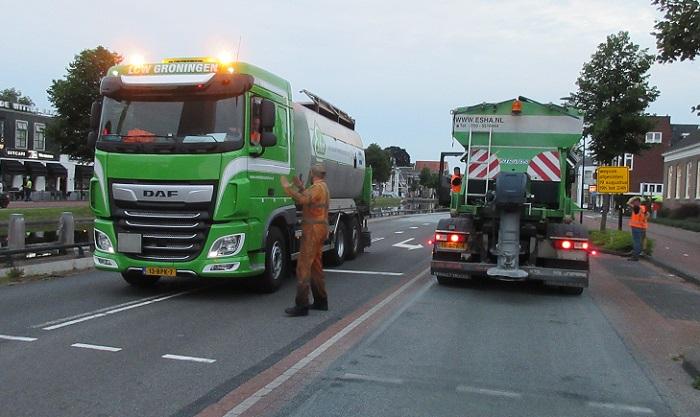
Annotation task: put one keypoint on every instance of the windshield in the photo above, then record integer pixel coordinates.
(186, 126)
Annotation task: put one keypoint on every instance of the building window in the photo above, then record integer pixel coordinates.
(678, 181)
(688, 174)
(21, 133)
(629, 161)
(646, 188)
(669, 182)
(653, 137)
(39, 138)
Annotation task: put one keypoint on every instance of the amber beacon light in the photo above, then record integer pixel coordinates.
(517, 106)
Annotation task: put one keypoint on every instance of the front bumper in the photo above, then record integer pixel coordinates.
(554, 276)
(248, 262)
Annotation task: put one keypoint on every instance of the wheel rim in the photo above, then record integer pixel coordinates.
(340, 243)
(277, 260)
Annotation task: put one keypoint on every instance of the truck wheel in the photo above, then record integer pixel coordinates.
(443, 280)
(571, 290)
(276, 261)
(336, 256)
(354, 239)
(138, 279)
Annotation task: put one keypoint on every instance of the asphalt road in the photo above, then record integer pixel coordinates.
(91, 346)
(228, 331)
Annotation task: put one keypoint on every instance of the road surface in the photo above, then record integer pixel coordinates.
(394, 343)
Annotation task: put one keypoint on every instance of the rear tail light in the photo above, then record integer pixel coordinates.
(566, 244)
(450, 237)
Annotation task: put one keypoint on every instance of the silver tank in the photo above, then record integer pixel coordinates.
(318, 139)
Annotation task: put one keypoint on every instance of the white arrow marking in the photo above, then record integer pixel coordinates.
(404, 244)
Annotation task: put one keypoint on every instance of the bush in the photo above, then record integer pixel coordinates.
(687, 224)
(617, 240)
(685, 211)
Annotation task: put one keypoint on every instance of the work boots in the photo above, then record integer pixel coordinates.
(297, 311)
(320, 304)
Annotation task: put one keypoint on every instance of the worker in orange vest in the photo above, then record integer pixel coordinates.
(638, 226)
(456, 181)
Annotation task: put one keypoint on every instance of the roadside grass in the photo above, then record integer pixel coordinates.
(696, 383)
(384, 202)
(13, 275)
(617, 240)
(47, 214)
(692, 224)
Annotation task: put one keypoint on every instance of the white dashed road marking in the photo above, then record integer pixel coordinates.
(426, 224)
(486, 391)
(377, 239)
(369, 378)
(188, 358)
(103, 312)
(399, 232)
(351, 271)
(413, 227)
(96, 347)
(685, 254)
(622, 407)
(17, 338)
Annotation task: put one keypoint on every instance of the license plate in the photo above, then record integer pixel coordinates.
(158, 271)
(452, 245)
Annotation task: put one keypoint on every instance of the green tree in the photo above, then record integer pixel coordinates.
(380, 161)
(614, 93)
(401, 157)
(13, 95)
(678, 33)
(72, 97)
(424, 177)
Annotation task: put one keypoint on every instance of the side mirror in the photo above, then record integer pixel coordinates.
(268, 139)
(92, 139)
(267, 115)
(95, 113)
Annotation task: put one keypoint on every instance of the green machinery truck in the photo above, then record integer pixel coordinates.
(512, 218)
(188, 158)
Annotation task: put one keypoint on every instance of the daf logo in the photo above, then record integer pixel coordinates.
(159, 193)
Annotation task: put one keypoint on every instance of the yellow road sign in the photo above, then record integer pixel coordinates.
(613, 180)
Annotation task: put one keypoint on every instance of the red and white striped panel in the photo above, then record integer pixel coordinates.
(478, 169)
(545, 167)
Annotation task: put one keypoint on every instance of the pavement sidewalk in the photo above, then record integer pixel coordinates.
(674, 249)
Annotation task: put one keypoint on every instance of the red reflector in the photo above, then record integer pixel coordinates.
(430, 242)
(594, 252)
(566, 244)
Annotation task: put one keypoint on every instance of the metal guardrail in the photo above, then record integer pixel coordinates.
(8, 259)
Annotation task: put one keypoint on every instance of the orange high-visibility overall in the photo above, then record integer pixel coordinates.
(314, 231)
(639, 220)
(456, 183)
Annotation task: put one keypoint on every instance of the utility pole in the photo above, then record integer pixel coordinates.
(583, 176)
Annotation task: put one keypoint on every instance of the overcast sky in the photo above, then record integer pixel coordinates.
(397, 67)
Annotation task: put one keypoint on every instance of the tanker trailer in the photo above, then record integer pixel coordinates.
(188, 158)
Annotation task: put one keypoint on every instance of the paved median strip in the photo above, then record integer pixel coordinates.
(188, 358)
(96, 347)
(17, 338)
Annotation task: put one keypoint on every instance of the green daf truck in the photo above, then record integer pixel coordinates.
(512, 218)
(188, 158)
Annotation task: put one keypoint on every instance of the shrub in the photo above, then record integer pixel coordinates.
(685, 211)
(617, 240)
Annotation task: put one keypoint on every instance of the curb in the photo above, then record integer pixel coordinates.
(56, 267)
(691, 362)
(672, 269)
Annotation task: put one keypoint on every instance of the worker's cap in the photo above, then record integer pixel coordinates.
(318, 169)
(633, 199)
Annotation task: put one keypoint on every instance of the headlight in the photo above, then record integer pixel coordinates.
(102, 242)
(227, 245)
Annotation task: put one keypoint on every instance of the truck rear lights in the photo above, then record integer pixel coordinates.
(450, 237)
(566, 244)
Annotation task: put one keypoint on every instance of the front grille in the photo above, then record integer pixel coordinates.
(166, 234)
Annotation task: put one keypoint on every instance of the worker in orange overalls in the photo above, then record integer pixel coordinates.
(314, 231)
(456, 181)
(638, 226)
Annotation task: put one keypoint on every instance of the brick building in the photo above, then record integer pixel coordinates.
(647, 167)
(682, 171)
(433, 166)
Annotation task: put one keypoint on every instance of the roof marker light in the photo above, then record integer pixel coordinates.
(136, 60)
(225, 57)
(517, 106)
(115, 73)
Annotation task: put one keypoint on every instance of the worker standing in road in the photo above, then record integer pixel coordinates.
(638, 226)
(314, 231)
(456, 181)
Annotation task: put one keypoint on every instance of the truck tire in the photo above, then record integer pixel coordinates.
(276, 261)
(337, 254)
(354, 238)
(138, 279)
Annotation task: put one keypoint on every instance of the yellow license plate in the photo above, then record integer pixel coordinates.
(452, 245)
(158, 271)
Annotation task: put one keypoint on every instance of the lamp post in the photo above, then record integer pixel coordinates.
(583, 176)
